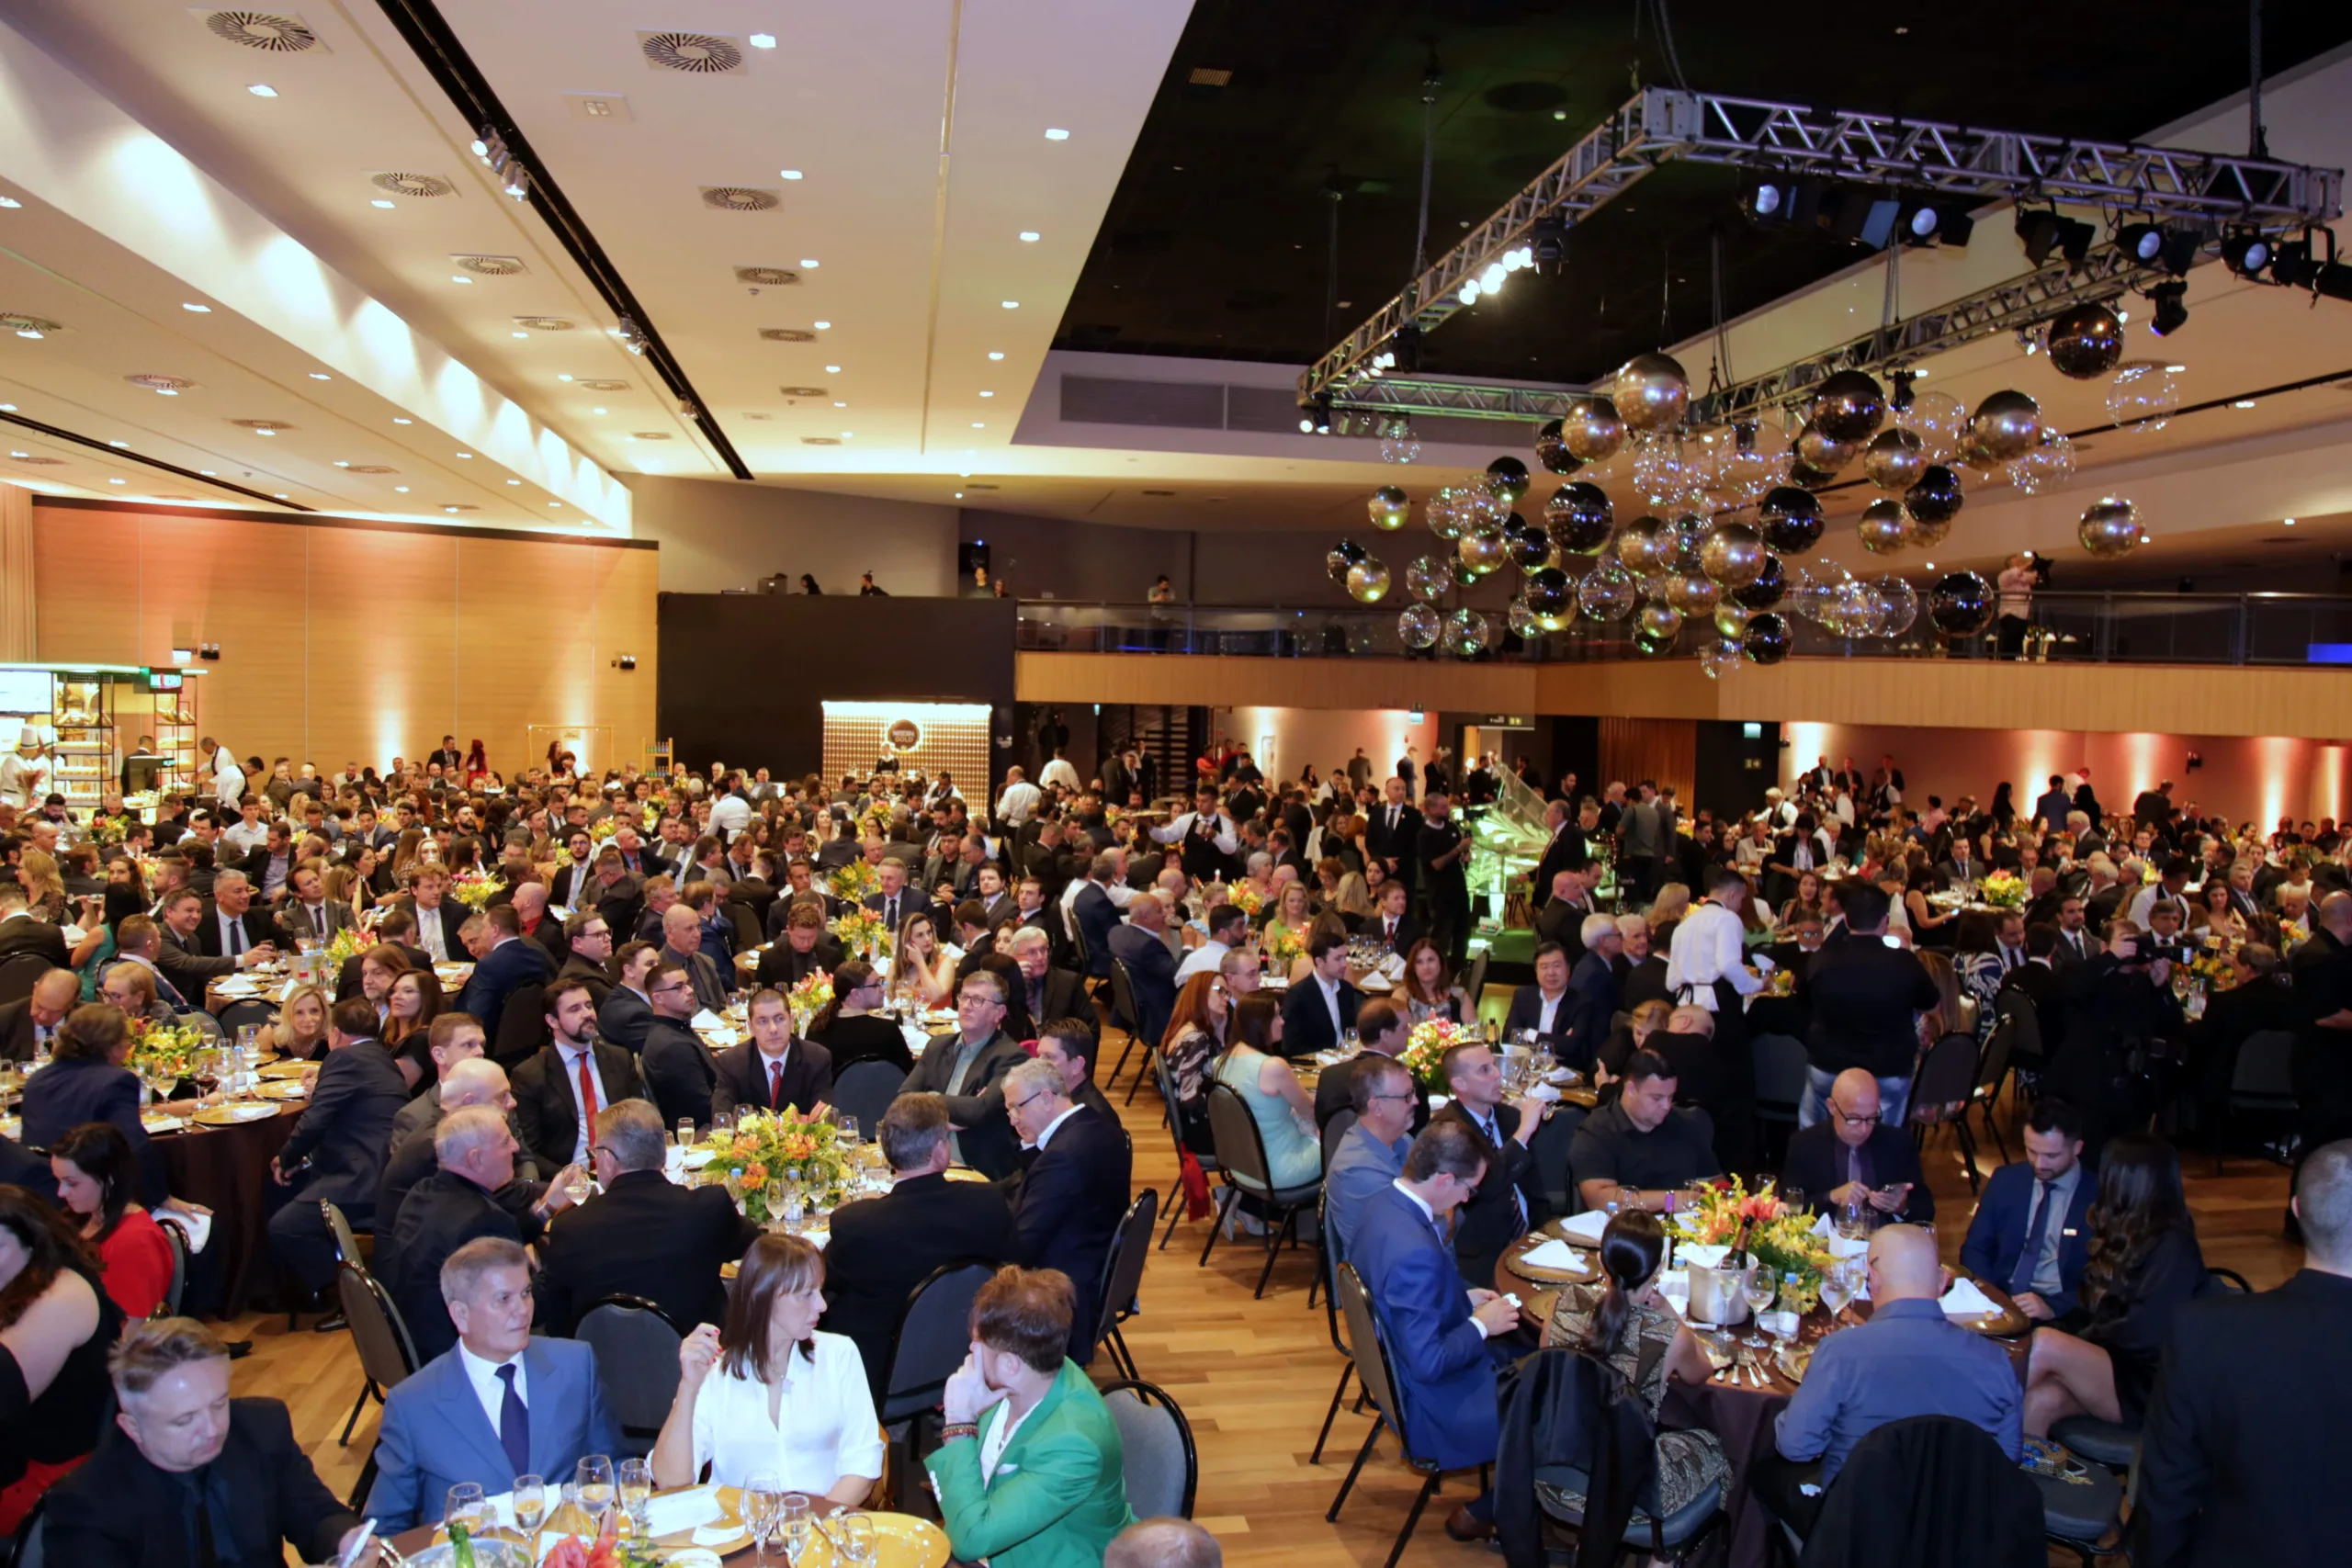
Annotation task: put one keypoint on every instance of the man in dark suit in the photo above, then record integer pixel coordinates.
(22, 932)
(395, 926)
(1065, 1045)
(27, 1024)
(968, 1065)
(179, 1454)
(178, 958)
(1510, 1196)
(1562, 921)
(773, 1071)
(1321, 1007)
(894, 900)
(469, 1080)
(681, 1072)
(881, 1249)
(1855, 1157)
(559, 1090)
(503, 962)
(336, 1152)
(1548, 1007)
(440, 919)
(805, 949)
(645, 1235)
(1051, 993)
(588, 937)
(2030, 1234)
(2243, 1442)
(1382, 1028)
(1142, 946)
(474, 1155)
(1393, 922)
(1074, 1190)
(1592, 995)
(1097, 913)
(1392, 835)
(233, 924)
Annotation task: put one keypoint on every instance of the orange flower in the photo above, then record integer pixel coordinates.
(755, 1172)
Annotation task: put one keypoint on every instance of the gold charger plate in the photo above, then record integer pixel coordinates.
(964, 1173)
(1542, 1276)
(234, 1115)
(282, 1089)
(286, 1069)
(900, 1540)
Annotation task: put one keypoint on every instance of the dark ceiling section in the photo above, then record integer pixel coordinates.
(1217, 242)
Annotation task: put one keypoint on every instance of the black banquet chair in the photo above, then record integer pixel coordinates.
(1123, 1278)
(1242, 1163)
(637, 1351)
(1163, 1468)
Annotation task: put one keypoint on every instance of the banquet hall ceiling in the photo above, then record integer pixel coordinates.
(1217, 241)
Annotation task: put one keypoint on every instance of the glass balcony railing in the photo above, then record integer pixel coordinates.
(2067, 628)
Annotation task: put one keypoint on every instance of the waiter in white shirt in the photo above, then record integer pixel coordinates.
(228, 778)
(1706, 968)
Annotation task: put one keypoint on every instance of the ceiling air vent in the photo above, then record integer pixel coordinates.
(983, 487)
(802, 392)
(768, 276)
(603, 386)
(1209, 76)
(460, 506)
(741, 198)
(373, 468)
(490, 266)
(821, 441)
(276, 32)
(544, 323)
(43, 462)
(155, 383)
(648, 435)
(24, 325)
(696, 54)
(787, 334)
(762, 418)
(396, 182)
(272, 426)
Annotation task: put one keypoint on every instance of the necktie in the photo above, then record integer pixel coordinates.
(169, 992)
(514, 1423)
(208, 1553)
(236, 937)
(775, 1084)
(2029, 1259)
(587, 1092)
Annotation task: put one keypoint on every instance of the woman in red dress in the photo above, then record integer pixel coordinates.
(96, 1179)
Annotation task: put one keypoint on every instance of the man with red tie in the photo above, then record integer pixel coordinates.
(774, 1070)
(558, 1091)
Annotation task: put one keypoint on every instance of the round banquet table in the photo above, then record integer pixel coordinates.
(1739, 1412)
(226, 1170)
(901, 1541)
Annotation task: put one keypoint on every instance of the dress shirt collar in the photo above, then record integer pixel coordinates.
(1047, 1136)
(1415, 1200)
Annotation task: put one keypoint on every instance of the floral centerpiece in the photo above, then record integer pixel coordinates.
(862, 932)
(852, 882)
(1425, 1048)
(763, 1146)
(105, 832)
(2004, 890)
(475, 892)
(164, 1053)
(1245, 897)
(1285, 948)
(1781, 1238)
(347, 943)
(808, 996)
(599, 831)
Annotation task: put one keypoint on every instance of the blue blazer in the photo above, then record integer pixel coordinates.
(76, 1089)
(1095, 914)
(1996, 1232)
(436, 1433)
(1444, 1377)
(510, 964)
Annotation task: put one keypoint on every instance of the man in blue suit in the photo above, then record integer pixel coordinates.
(2043, 1201)
(1437, 1336)
(1097, 912)
(1141, 944)
(498, 1405)
(502, 961)
(338, 1149)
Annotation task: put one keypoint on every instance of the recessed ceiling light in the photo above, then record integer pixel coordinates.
(959, 495)
(466, 455)
(1058, 135)
(977, 425)
(2290, 521)
(118, 481)
(264, 430)
(20, 454)
(519, 333)
(449, 509)
(761, 41)
(321, 376)
(118, 442)
(562, 378)
(207, 473)
(380, 201)
(1013, 304)
(595, 410)
(555, 504)
(1029, 235)
(2174, 369)
(192, 305)
(402, 419)
(820, 326)
(790, 173)
(807, 262)
(10, 201)
(847, 434)
(456, 278)
(400, 489)
(2243, 403)
(513, 481)
(280, 494)
(988, 394)
(341, 463)
(262, 90)
(996, 354)
(840, 405)
(7, 408)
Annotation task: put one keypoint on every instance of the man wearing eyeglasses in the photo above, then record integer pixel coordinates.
(968, 1068)
(680, 1071)
(1854, 1155)
(1371, 1155)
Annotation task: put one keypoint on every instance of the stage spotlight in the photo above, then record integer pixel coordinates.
(1770, 200)
(2245, 252)
(2043, 232)
(2294, 266)
(1856, 213)
(1549, 240)
(1932, 223)
(2173, 249)
(2172, 311)
(2334, 281)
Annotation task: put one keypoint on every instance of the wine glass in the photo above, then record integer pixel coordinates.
(635, 1491)
(464, 1508)
(846, 1127)
(793, 1514)
(856, 1533)
(762, 1506)
(1837, 1289)
(1758, 1289)
(207, 1074)
(596, 1476)
(685, 1132)
(530, 1509)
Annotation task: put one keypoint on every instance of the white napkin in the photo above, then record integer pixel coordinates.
(1376, 981)
(1393, 966)
(1554, 1254)
(198, 1228)
(683, 1510)
(704, 1021)
(1702, 1253)
(1964, 1300)
(1585, 1227)
(1840, 1247)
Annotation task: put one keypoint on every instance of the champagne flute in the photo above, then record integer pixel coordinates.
(762, 1505)
(530, 1509)
(596, 1475)
(636, 1492)
(464, 1508)
(1758, 1291)
(795, 1516)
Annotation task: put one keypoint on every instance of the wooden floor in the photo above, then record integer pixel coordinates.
(1254, 1376)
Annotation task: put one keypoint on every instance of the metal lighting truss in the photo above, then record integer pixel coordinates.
(2157, 184)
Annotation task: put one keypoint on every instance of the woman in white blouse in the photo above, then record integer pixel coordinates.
(769, 1393)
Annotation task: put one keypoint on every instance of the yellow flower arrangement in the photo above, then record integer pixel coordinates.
(1284, 948)
(601, 830)
(763, 1146)
(1244, 897)
(2004, 890)
(809, 995)
(1781, 1237)
(862, 932)
(476, 892)
(161, 1052)
(346, 943)
(1425, 1048)
(852, 882)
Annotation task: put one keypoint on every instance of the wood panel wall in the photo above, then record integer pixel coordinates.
(343, 641)
(1663, 750)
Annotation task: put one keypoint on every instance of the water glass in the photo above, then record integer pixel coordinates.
(1837, 1289)
(635, 1491)
(530, 1507)
(721, 1122)
(464, 1507)
(854, 1532)
(793, 1515)
(595, 1474)
(846, 1126)
(762, 1506)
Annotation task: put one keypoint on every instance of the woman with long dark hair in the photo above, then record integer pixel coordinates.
(848, 1027)
(1195, 1033)
(1625, 1323)
(97, 1183)
(2144, 1261)
(1280, 1106)
(56, 1326)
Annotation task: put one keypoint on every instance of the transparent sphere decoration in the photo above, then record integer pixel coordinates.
(1689, 531)
(1749, 469)
(1466, 632)
(1368, 581)
(1443, 512)
(2046, 465)
(1388, 508)
(1398, 441)
(1937, 419)
(1721, 658)
(1607, 592)
(1482, 511)
(1659, 620)
(1658, 468)
(1428, 578)
(2142, 395)
(1418, 625)
(1898, 605)
(1731, 619)
(1520, 618)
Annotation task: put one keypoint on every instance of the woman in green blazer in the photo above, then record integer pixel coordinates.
(1030, 1474)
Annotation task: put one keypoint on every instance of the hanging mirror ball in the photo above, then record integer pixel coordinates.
(1690, 533)
(1659, 620)
(1817, 449)
(1927, 536)
(1420, 625)
(2005, 425)
(1766, 640)
(1646, 544)
(2143, 396)
(1507, 478)
(1368, 581)
(1733, 554)
(1898, 605)
(1961, 604)
(1344, 554)
(1547, 593)
(1481, 553)
(1530, 546)
(1790, 520)
(1650, 392)
(1649, 645)
(2047, 464)
(1847, 406)
(1974, 463)
(1607, 592)
(1895, 460)
(1806, 476)
(1442, 512)
(1460, 575)
(1766, 590)
(1732, 619)
(1520, 619)
(1937, 499)
(1428, 578)
(2111, 529)
(1580, 517)
(1591, 430)
(1937, 419)
(1719, 659)
(1693, 592)
(2086, 341)
(1552, 451)
(1389, 508)
(1466, 632)
(1885, 528)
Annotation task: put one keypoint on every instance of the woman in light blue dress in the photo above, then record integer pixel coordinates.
(1280, 1103)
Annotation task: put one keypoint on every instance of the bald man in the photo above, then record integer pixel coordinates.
(1909, 1359)
(1163, 1543)
(26, 1025)
(1853, 1156)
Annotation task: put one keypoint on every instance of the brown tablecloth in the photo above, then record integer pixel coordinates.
(226, 1170)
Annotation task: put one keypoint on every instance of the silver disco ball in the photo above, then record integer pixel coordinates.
(1650, 392)
(2006, 424)
(2111, 529)
(1607, 592)
(1591, 431)
(1419, 626)
(1895, 460)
